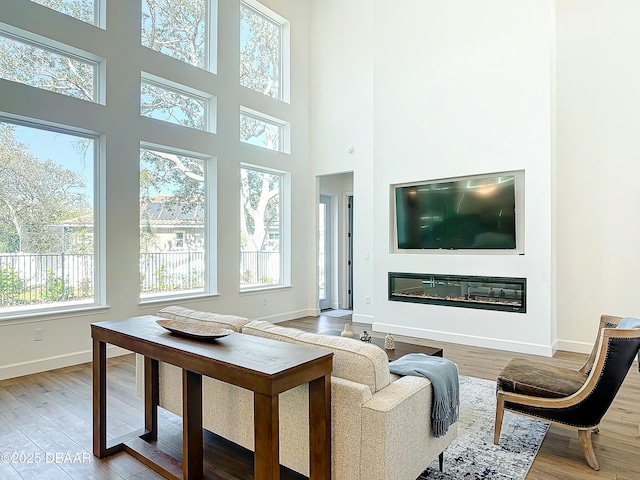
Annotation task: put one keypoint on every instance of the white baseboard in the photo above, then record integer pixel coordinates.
(359, 318)
(51, 363)
(577, 347)
(484, 342)
(283, 317)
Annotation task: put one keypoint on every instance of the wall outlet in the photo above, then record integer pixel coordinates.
(38, 334)
(264, 301)
(367, 299)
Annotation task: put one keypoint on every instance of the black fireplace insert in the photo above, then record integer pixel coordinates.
(488, 293)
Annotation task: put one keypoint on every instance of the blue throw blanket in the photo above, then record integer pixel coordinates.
(630, 322)
(446, 387)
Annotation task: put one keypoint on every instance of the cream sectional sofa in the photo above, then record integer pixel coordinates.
(380, 422)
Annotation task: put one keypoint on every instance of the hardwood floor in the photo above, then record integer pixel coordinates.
(47, 417)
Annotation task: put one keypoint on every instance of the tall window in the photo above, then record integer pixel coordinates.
(262, 58)
(85, 10)
(173, 239)
(47, 220)
(177, 29)
(44, 67)
(261, 226)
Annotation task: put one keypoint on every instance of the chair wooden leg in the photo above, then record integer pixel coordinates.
(499, 415)
(587, 448)
(441, 461)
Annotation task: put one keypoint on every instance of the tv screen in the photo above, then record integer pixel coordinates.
(472, 213)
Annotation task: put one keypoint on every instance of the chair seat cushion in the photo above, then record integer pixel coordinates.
(529, 377)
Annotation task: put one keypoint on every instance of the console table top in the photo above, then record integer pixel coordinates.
(236, 358)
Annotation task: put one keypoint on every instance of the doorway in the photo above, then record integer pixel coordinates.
(325, 273)
(334, 237)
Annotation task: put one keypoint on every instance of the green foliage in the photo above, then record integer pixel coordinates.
(36, 197)
(54, 289)
(11, 287)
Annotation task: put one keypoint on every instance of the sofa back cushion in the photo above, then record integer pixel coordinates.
(182, 314)
(353, 360)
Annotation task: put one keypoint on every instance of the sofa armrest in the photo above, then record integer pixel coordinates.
(397, 439)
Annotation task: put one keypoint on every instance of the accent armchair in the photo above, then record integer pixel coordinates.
(573, 398)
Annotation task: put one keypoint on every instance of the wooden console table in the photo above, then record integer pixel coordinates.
(266, 367)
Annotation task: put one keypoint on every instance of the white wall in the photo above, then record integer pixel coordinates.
(464, 87)
(458, 88)
(341, 116)
(67, 335)
(598, 165)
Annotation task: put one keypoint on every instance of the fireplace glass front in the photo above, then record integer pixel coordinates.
(489, 293)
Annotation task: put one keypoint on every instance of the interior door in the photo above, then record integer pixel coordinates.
(324, 252)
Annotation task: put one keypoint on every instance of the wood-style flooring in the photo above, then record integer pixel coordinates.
(46, 422)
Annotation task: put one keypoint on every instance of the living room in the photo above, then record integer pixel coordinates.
(428, 91)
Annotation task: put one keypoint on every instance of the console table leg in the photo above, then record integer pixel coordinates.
(151, 398)
(266, 433)
(320, 428)
(192, 425)
(99, 398)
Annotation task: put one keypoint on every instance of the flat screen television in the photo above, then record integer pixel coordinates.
(471, 213)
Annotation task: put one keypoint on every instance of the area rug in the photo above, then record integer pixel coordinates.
(472, 455)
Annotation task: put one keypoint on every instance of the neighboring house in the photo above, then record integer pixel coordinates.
(173, 228)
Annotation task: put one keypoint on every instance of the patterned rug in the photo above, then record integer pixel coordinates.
(472, 455)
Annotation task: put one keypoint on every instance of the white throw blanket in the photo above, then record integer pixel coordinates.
(446, 387)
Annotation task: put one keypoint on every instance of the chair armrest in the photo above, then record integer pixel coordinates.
(397, 439)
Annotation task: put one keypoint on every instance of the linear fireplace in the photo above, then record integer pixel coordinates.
(488, 293)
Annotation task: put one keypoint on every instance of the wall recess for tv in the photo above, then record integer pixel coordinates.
(487, 293)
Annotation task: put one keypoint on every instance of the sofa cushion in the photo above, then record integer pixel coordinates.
(353, 360)
(182, 314)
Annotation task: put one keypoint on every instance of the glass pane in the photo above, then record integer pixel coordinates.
(260, 52)
(260, 132)
(172, 223)
(172, 106)
(176, 29)
(52, 71)
(84, 10)
(322, 217)
(260, 228)
(46, 218)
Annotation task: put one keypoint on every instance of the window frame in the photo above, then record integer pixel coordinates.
(284, 129)
(284, 95)
(284, 230)
(58, 48)
(210, 38)
(210, 227)
(209, 101)
(99, 220)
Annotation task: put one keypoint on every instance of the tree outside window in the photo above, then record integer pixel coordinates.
(177, 29)
(46, 218)
(260, 52)
(260, 224)
(84, 10)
